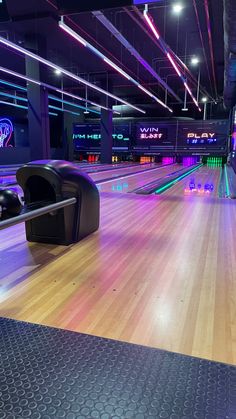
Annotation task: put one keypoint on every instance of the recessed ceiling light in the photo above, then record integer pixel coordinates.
(57, 72)
(204, 99)
(184, 109)
(177, 8)
(194, 60)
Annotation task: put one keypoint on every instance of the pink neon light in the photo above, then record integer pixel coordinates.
(148, 19)
(173, 64)
(117, 68)
(151, 25)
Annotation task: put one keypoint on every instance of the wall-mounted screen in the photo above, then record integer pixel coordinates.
(154, 135)
(203, 135)
(87, 136)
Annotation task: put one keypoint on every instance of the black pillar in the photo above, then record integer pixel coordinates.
(38, 118)
(68, 144)
(106, 136)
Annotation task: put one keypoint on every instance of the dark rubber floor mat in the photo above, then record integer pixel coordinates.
(51, 373)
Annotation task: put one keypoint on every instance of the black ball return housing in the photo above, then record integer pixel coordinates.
(61, 203)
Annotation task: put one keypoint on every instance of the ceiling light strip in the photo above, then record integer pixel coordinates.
(48, 86)
(168, 55)
(65, 72)
(74, 34)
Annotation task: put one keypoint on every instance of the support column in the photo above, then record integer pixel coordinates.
(68, 144)
(38, 118)
(106, 136)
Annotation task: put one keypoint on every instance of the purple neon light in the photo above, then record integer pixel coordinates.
(66, 73)
(6, 131)
(170, 58)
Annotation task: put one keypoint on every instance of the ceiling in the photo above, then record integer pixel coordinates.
(186, 35)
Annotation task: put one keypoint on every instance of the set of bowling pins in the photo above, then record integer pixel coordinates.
(214, 161)
(147, 159)
(93, 158)
(115, 159)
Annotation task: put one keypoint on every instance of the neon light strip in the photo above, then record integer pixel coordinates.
(149, 21)
(117, 68)
(108, 61)
(154, 97)
(227, 183)
(50, 97)
(65, 72)
(23, 99)
(168, 185)
(48, 86)
(16, 105)
(72, 104)
(170, 58)
(173, 64)
(63, 110)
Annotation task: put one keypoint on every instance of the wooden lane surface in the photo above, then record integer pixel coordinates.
(159, 272)
(127, 184)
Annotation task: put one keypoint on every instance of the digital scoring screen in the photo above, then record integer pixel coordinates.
(204, 135)
(154, 135)
(87, 136)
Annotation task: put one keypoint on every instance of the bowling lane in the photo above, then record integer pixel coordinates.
(204, 183)
(107, 170)
(117, 172)
(137, 180)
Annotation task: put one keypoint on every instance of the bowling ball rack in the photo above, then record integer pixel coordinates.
(36, 210)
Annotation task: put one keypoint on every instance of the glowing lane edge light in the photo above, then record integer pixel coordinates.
(154, 30)
(6, 131)
(109, 62)
(48, 86)
(65, 72)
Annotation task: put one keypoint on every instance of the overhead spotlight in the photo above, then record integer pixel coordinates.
(204, 99)
(86, 112)
(184, 109)
(194, 60)
(177, 8)
(57, 72)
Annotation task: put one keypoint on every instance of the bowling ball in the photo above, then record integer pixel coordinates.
(10, 203)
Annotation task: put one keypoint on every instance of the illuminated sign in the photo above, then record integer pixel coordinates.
(203, 135)
(6, 131)
(89, 136)
(150, 133)
(98, 137)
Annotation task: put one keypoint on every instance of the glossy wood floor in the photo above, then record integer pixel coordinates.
(161, 271)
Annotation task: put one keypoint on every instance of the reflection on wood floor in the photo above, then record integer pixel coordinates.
(161, 271)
